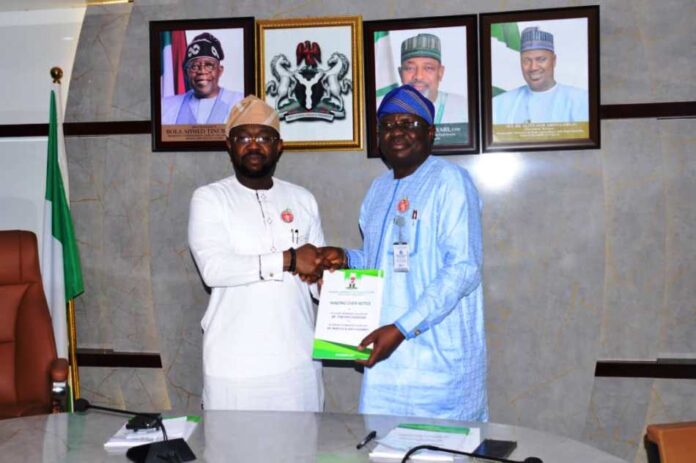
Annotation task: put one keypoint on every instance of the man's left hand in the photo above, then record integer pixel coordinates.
(385, 340)
(308, 263)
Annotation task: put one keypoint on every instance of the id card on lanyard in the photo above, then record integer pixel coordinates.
(401, 257)
(400, 247)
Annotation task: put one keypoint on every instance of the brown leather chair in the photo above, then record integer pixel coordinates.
(675, 442)
(29, 369)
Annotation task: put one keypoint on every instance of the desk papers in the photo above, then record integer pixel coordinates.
(349, 309)
(177, 427)
(399, 440)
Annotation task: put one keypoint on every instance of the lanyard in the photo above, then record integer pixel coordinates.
(384, 223)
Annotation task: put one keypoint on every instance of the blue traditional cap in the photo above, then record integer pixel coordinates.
(534, 38)
(406, 99)
(422, 45)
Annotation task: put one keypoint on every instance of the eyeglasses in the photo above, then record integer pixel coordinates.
(403, 124)
(207, 66)
(259, 139)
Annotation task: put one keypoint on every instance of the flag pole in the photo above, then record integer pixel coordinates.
(57, 74)
(72, 343)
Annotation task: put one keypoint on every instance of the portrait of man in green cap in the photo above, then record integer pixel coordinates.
(435, 61)
(422, 67)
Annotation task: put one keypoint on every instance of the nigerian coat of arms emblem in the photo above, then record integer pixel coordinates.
(310, 90)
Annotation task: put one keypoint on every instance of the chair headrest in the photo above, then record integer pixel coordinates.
(19, 257)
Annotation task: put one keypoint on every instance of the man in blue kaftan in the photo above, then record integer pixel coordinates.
(429, 357)
(562, 103)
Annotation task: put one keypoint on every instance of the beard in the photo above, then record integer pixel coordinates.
(266, 169)
(426, 92)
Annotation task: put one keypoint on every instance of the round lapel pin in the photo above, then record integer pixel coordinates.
(403, 205)
(287, 216)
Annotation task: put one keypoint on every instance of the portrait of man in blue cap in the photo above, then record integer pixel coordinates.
(542, 99)
(421, 225)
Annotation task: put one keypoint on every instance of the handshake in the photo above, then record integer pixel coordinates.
(310, 261)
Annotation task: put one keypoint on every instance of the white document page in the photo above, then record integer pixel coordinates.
(406, 436)
(349, 309)
(178, 427)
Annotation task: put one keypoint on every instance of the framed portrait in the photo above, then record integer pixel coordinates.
(310, 71)
(198, 70)
(540, 79)
(438, 56)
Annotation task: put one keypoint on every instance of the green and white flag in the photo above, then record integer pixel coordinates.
(172, 56)
(505, 57)
(166, 65)
(60, 261)
(386, 77)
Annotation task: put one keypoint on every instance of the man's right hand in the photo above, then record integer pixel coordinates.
(332, 258)
(384, 341)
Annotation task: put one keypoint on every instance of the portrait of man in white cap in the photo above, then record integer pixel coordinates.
(542, 99)
(206, 101)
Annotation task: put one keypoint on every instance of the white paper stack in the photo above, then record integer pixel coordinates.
(399, 440)
(177, 427)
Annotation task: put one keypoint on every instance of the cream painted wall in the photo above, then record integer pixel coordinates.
(33, 42)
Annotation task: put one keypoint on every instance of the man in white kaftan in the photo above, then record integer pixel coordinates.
(249, 235)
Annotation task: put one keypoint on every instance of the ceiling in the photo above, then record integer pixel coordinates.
(23, 5)
(19, 5)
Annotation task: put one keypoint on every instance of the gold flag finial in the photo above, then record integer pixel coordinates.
(57, 74)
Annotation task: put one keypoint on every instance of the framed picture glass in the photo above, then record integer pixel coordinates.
(198, 70)
(540, 79)
(438, 57)
(310, 71)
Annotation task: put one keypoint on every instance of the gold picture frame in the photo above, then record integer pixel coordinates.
(311, 71)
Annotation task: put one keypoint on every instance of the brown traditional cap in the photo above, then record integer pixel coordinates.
(252, 110)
